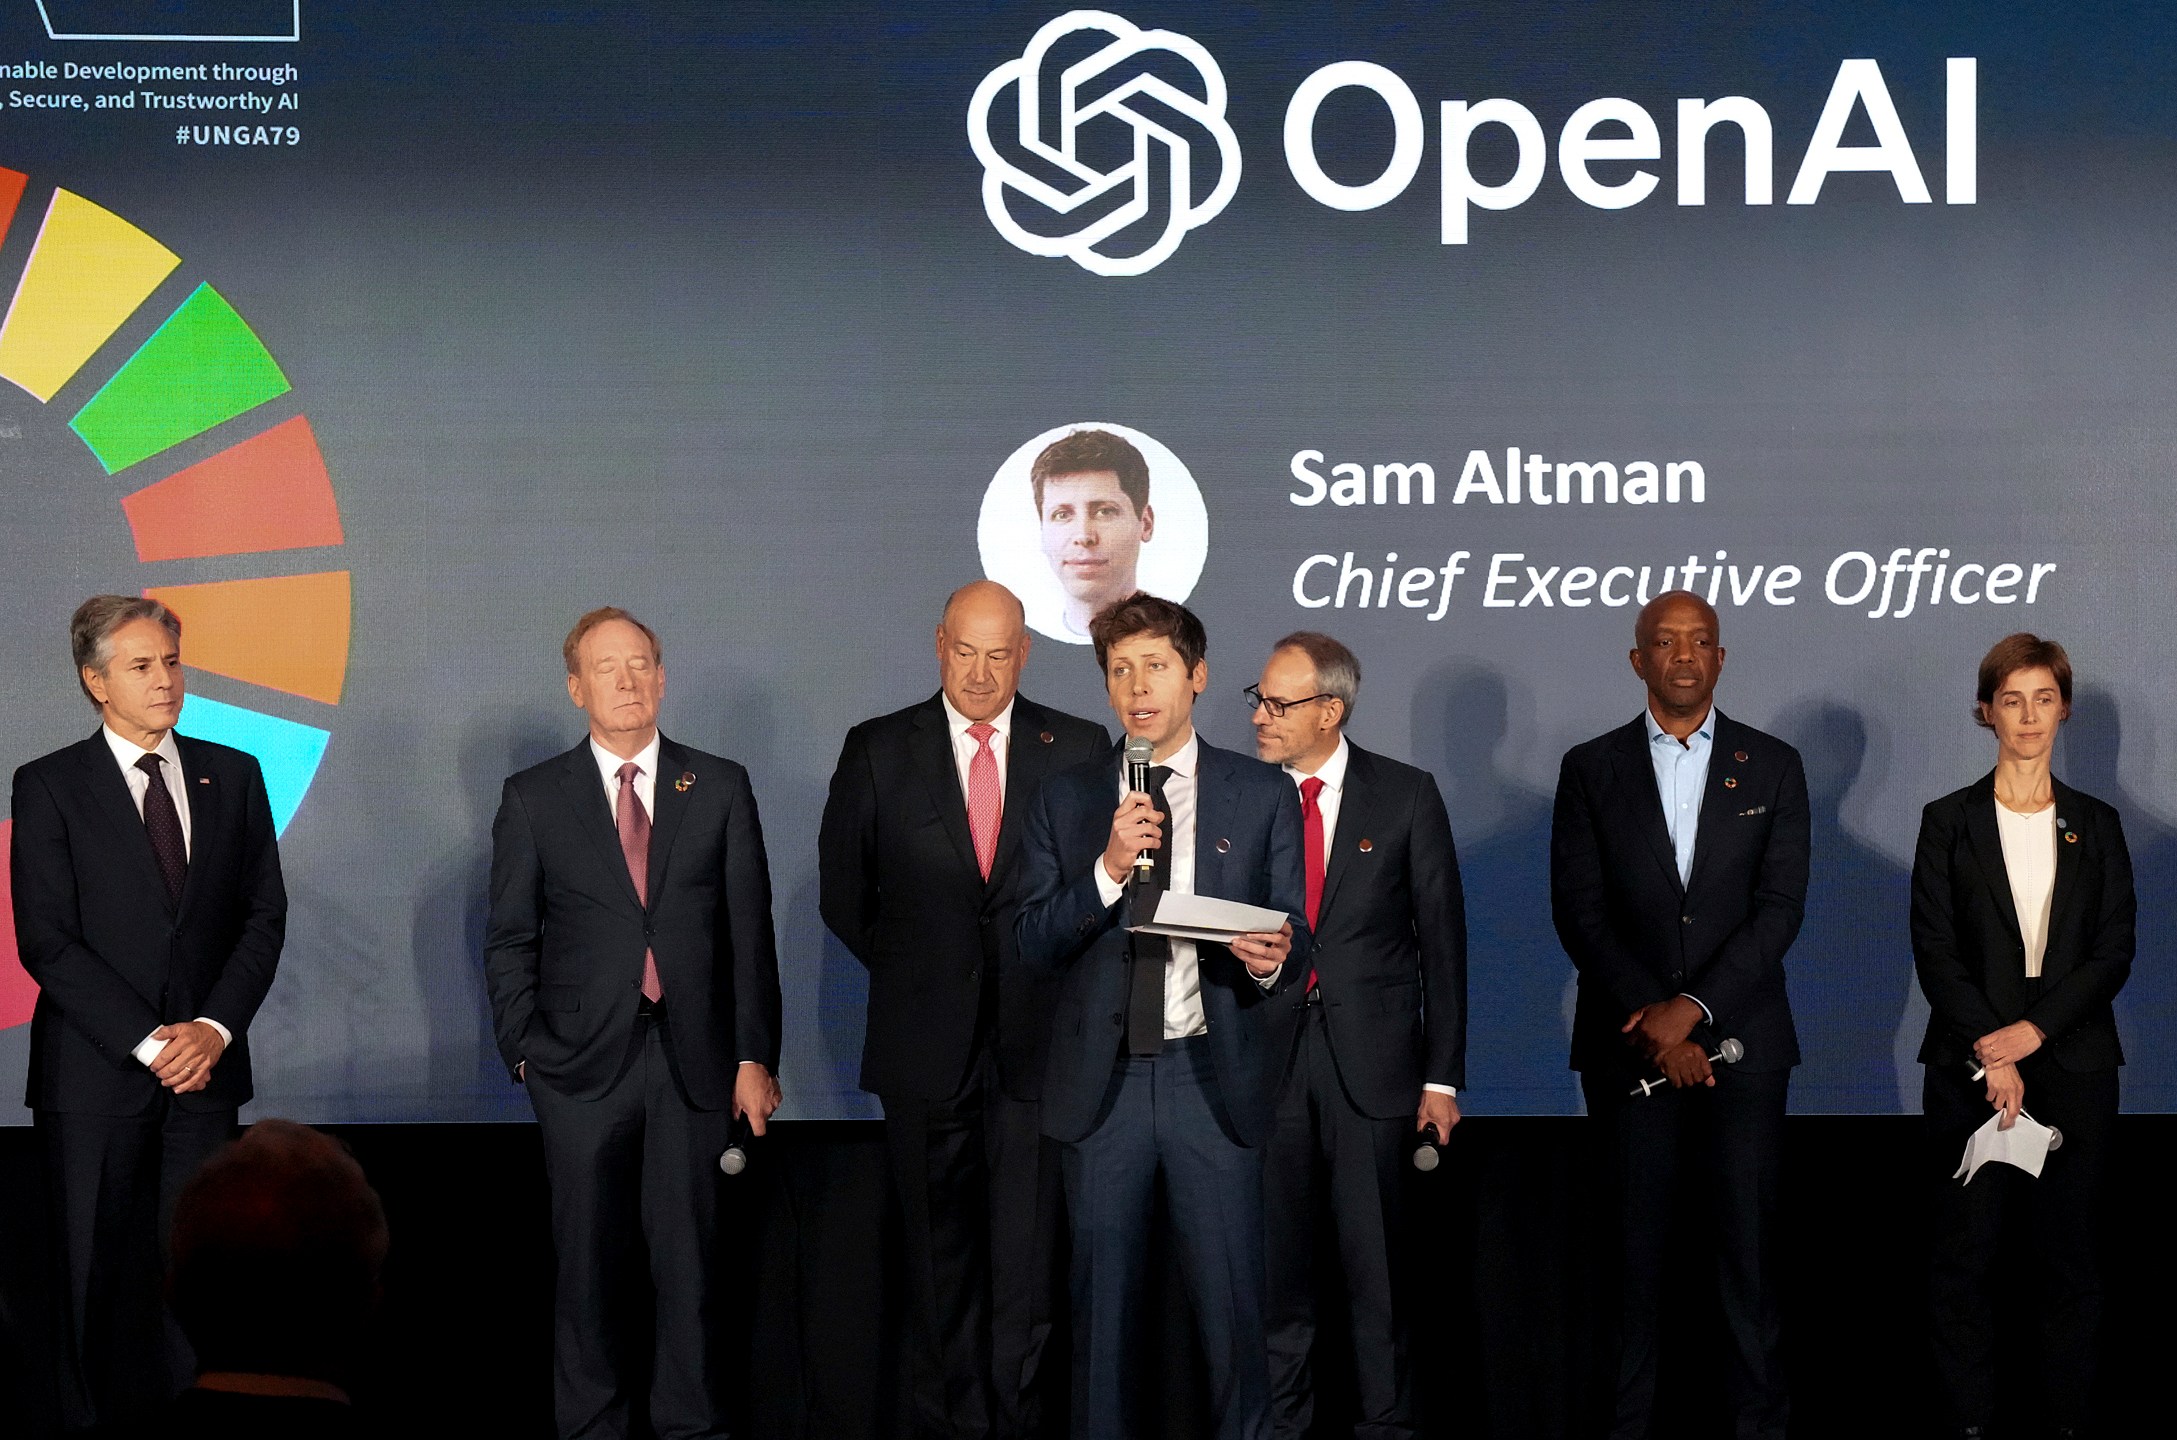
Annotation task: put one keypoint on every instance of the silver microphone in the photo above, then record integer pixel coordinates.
(735, 1159)
(1730, 1052)
(1139, 753)
(1426, 1157)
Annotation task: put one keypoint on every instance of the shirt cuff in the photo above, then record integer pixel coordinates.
(1107, 889)
(147, 1049)
(1269, 981)
(226, 1036)
(1706, 1014)
(1451, 1090)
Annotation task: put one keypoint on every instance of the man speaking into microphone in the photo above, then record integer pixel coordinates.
(1158, 1058)
(1678, 878)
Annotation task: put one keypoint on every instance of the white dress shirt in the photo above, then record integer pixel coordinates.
(1183, 1013)
(1681, 779)
(125, 754)
(1332, 773)
(964, 745)
(646, 774)
(2029, 857)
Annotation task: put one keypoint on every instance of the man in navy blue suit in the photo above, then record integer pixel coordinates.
(1158, 1056)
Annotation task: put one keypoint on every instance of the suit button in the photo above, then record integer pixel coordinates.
(1685, 919)
(649, 929)
(986, 920)
(975, 975)
(1117, 1018)
(1678, 977)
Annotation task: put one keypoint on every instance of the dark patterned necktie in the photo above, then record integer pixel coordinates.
(1145, 993)
(162, 822)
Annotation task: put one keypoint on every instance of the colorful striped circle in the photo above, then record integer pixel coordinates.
(89, 271)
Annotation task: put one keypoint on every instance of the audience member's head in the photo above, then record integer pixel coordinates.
(277, 1246)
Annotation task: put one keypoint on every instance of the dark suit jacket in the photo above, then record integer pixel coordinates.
(1971, 955)
(1390, 941)
(1246, 847)
(1637, 936)
(113, 960)
(901, 888)
(563, 956)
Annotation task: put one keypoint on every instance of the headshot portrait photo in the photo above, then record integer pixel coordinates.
(1085, 514)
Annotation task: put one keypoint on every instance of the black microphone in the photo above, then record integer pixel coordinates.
(2055, 1136)
(1426, 1157)
(1139, 753)
(1730, 1052)
(735, 1160)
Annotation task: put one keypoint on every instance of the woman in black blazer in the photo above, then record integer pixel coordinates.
(2022, 929)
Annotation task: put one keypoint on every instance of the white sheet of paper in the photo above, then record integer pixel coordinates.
(2025, 1145)
(1204, 917)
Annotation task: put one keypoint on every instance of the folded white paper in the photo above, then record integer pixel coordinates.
(1201, 917)
(2025, 1144)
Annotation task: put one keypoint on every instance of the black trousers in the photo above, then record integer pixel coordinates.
(114, 1181)
(980, 1196)
(2062, 1208)
(1720, 1149)
(1163, 1118)
(634, 1173)
(1322, 1141)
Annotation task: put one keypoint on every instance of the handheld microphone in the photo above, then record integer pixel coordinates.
(2055, 1136)
(1730, 1052)
(735, 1160)
(1426, 1156)
(1139, 753)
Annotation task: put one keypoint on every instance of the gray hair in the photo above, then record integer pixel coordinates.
(90, 629)
(1337, 670)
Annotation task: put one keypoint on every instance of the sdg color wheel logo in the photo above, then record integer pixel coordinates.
(213, 482)
(1104, 143)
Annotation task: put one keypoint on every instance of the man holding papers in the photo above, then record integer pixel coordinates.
(1157, 1059)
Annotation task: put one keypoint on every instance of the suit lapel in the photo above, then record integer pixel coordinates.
(1708, 829)
(930, 744)
(110, 795)
(205, 803)
(1211, 799)
(585, 790)
(1636, 776)
(1027, 762)
(668, 804)
(1987, 842)
(1356, 807)
(2066, 889)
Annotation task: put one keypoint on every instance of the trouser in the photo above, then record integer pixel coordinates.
(634, 1171)
(1322, 1141)
(2062, 1209)
(1163, 1116)
(114, 1180)
(979, 1190)
(1664, 1151)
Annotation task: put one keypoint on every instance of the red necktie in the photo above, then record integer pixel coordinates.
(634, 825)
(985, 805)
(1311, 831)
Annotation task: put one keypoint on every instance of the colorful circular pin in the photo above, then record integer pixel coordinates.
(1367, 845)
(1730, 782)
(1048, 738)
(1739, 755)
(687, 778)
(2071, 837)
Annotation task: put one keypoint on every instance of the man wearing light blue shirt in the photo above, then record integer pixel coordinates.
(1678, 879)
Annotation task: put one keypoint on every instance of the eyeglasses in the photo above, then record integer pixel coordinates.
(1256, 700)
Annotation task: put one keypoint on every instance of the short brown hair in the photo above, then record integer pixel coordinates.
(90, 630)
(2012, 654)
(600, 616)
(1144, 614)
(1085, 452)
(1337, 669)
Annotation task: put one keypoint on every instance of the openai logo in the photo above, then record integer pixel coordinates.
(1148, 104)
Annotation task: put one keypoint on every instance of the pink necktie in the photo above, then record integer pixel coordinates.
(634, 824)
(1311, 851)
(985, 806)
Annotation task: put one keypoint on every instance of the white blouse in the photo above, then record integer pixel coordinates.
(2029, 854)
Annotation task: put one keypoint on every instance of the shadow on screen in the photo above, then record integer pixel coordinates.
(448, 944)
(1850, 971)
(2092, 759)
(1518, 1026)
